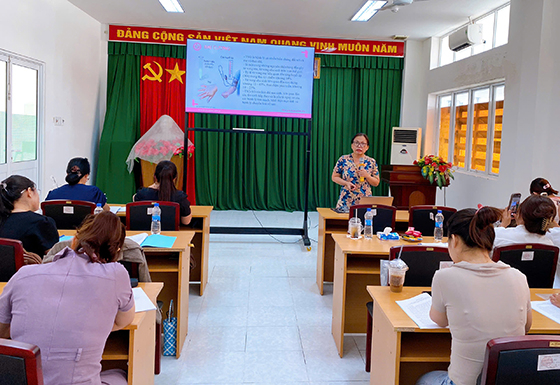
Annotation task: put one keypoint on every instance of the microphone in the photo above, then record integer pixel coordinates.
(361, 167)
(54, 181)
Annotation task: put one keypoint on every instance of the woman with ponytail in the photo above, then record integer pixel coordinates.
(68, 307)
(541, 186)
(477, 298)
(163, 189)
(77, 175)
(19, 199)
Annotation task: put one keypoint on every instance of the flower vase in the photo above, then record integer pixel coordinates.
(148, 169)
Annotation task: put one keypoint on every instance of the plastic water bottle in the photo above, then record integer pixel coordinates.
(98, 209)
(156, 219)
(438, 230)
(368, 227)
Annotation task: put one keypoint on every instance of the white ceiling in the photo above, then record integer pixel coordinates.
(311, 18)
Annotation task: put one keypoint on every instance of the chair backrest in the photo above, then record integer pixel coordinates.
(387, 201)
(20, 363)
(536, 261)
(522, 360)
(384, 215)
(419, 218)
(139, 215)
(131, 267)
(422, 261)
(11, 258)
(68, 214)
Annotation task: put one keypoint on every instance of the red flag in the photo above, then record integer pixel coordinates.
(162, 92)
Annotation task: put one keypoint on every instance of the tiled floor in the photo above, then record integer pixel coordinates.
(261, 319)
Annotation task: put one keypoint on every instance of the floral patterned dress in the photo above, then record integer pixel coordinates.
(348, 171)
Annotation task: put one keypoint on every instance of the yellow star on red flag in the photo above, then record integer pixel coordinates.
(176, 73)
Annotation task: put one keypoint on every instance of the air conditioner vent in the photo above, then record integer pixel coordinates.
(404, 136)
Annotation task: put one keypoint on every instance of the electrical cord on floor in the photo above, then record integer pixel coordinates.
(276, 239)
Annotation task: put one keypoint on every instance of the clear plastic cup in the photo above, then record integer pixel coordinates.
(397, 272)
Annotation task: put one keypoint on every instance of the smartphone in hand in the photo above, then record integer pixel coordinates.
(514, 201)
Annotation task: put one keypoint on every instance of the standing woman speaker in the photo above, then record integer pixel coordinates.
(356, 173)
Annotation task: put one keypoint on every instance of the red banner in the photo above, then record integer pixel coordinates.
(162, 92)
(134, 34)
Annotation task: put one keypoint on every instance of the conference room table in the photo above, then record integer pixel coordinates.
(356, 265)
(401, 352)
(200, 242)
(170, 266)
(133, 347)
(330, 223)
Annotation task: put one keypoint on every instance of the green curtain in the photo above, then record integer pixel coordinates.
(121, 128)
(257, 171)
(266, 172)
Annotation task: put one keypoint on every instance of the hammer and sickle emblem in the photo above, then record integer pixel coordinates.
(155, 76)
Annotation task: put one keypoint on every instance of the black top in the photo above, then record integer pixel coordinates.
(150, 194)
(37, 232)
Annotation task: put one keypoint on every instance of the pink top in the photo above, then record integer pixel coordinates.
(67, 308)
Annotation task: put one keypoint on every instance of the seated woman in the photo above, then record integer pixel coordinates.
(534, 218)
(19, 198)
(163, 189)
(356, 173)
(68, 307)
(541, 186)
(477, 298)
(77, 175)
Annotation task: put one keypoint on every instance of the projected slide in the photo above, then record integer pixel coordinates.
(249, 79)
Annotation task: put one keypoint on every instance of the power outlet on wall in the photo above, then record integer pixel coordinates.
(58, 121)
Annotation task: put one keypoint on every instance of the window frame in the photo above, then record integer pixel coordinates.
(470, 127)
(495, 12)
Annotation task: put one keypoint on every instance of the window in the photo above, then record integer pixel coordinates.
(470, 128)
(20, 89)
(495, 30)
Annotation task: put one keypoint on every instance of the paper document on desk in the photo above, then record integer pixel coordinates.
(158, 240)
(418, 309)
(547, 309)
(115, 209)
(141, 301)
(138, 238)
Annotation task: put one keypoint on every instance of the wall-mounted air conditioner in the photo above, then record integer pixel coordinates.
(465, 37)
(405, 148)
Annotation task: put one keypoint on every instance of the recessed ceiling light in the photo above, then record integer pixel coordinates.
(369, 9)
(172, 6)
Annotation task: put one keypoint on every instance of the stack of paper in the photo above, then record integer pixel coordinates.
(141, 300)
(418, 309)
(547, 309)
(118, 209)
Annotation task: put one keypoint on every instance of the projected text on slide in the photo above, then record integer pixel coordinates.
(249, 79)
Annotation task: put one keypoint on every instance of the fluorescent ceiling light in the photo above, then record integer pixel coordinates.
(172, 6)
(369, 9)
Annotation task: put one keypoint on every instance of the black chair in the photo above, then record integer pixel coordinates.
(536, 261)
(384, 215)
(420, 218)
(139, 215)
(68, 214)
(20, 363)
(11, 258)
(520, 361)
(423, 262)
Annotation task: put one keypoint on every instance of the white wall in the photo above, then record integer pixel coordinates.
(530, 64)
(69, 43)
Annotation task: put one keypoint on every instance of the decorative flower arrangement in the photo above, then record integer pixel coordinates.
(435, 169)
(163, 140)
(181, 150)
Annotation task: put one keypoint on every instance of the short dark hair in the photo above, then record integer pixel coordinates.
(475, 227)
(76, 169)
(535, 211)
(361, 134)
(541, 185)
(165, 174)
(100, 236)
